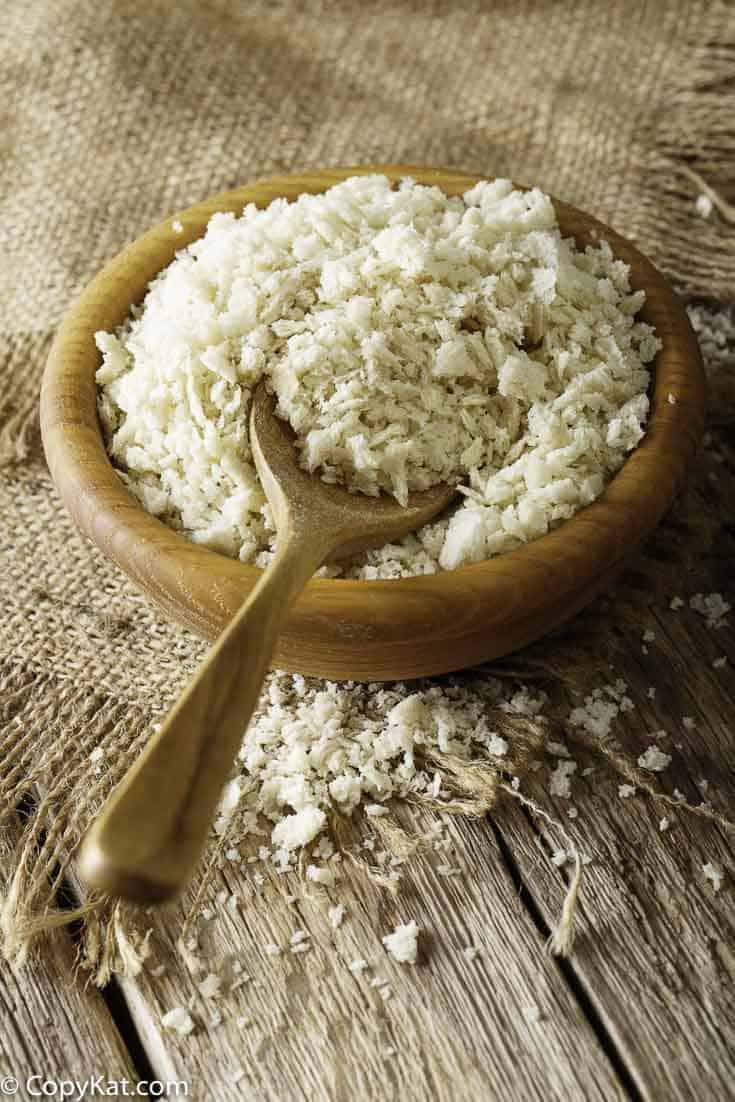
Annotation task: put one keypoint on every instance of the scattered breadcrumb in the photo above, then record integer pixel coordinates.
(558, 749)
(676, 603)
(320, 875)
(714, 875)
(671, 399)
(358, 965)
(703, 206)
(470, 953)
(600, 708)
(625, 791)
(654, 760)
(402, 944)
(178, 1021)
(649, 636)
(532, 1014)
(176, 226)
(448, 870)
(271, 950)
(496, 745)
(376, 810)
(560, 779)
(297, 830)
(210, 986)
(664, 824)
(336, 916)
(720, 663)
(688, 722)
(712, 606)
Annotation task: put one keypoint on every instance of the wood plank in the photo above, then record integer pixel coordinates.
(51, 1022)
(304, 1026)
(655, 948)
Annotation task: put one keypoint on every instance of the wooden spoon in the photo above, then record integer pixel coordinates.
(151, 833)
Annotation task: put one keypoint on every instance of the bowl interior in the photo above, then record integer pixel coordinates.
(377, 630)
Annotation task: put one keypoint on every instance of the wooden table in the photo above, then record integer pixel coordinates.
(644, 1009)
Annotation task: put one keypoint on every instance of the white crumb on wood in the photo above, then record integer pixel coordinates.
(654, 760)
(703, 206)
(558, 749)
(496, 745)
(714, 875)
(625, 791)
(358, 965)
(712, 606)
(210, 986)
(376, 810)
(320, 875)
(560, 779)
(336, 915)
(178, 1020)
(295, 831)
(402, 944)
(448, 870)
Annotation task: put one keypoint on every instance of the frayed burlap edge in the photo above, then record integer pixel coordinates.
(693, 153)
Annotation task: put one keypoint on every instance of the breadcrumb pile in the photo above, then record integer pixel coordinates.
(410, 339)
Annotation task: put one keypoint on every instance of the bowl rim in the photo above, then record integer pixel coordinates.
(353, 613)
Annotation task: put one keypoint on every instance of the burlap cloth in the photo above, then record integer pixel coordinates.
(116, 113)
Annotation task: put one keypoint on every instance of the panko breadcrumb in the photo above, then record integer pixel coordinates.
(410, 339)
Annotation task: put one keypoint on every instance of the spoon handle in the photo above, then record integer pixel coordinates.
(146, 843)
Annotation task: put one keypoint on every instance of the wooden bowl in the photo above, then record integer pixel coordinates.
(376, 630)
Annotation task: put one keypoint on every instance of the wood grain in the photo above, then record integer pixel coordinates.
(655, 946)
(51, 1023)
(369, 630)
(304, 1027)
